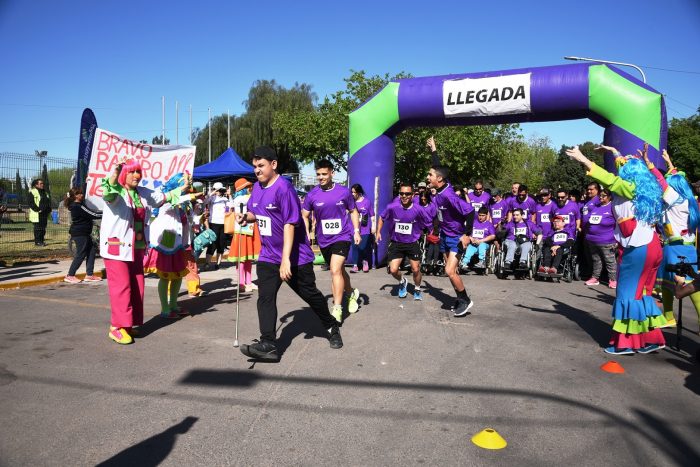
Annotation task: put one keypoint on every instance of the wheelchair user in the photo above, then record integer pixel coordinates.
(483, 234)
(519, 234)
(555, 247)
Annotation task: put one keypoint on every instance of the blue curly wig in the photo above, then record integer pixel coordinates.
(648, 205)
(683, 188)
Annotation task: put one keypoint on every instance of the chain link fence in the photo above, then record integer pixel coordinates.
(16, 232)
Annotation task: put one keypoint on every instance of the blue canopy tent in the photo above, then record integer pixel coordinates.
(228, 165)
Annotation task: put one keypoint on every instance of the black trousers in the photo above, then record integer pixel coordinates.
(303, 283)
(220, 244)
(40, 228)
(552, 261)
(84, 249)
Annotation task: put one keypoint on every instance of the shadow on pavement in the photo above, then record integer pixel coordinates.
(446, 299)
(303, 321)
(152, 451)
(692, 381)
(597, 329)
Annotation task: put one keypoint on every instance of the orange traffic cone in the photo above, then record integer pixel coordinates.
(612, 367)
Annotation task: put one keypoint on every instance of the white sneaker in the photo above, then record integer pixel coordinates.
(353, 306)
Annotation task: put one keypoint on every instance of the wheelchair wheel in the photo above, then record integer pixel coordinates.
(576, 273)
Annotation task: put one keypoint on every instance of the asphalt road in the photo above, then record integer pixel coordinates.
(410, 387)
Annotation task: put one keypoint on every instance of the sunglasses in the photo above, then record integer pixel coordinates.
(404, 193)
(562, 197)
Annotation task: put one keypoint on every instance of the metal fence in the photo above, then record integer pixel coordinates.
(16, 232)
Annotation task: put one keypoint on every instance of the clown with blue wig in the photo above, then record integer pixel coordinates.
(637, 208)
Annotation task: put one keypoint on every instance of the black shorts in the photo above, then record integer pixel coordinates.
(337, 248)
(401, 250)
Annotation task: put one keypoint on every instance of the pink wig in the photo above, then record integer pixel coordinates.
(130, 166)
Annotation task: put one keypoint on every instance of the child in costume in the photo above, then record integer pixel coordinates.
(123, 244)
(248, 237)
(169, 236)
(637, 207)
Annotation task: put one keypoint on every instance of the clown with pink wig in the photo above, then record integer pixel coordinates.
(637, 208)
(123, 244)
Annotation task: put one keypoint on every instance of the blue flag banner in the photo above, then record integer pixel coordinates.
(88, 125)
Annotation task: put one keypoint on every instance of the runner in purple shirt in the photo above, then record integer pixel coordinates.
(569, 211)
(498, 208)
(544, 212)
(523, 201)
(584, 258)
(598, 233)
(363, 251)
(454, 213)
(336, 218)
(478, 197)
(406, 222)
(285, 256)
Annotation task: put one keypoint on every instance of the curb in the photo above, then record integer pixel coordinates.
(26, 283)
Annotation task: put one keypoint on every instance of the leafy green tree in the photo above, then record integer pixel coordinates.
(684, 145)
(45, 178)
(527, 162)
(569, 174)
(254, 127)
(469, 152)
(19, 191)
(159, 140)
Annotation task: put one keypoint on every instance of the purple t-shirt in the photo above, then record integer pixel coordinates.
(330, 209)
(274, 206)
(452, 210)
(528, 205)
(366, 210)
(600, 227)
(478, 201)
(498, 210)
(585, 207)
(405, 224)
(559, 237)
(481, 230)
(543, 217)
(571, 213)
(526, 228)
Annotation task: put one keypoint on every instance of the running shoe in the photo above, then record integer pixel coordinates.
(337, 313)
(334, 338)
(353, 306)
(355, 269)
(120, 336)
(651, 348)
(592, 281)
(417, 295)
(480, 265)
(72, 280)
(612, 284)
(403, 288)
(542, 269)
(613, 351)
(169, 314)
(365, 266)
(92, 278)
(463, 307)
(261, 350)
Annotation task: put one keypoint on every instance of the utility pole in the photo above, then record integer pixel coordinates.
(209, 131)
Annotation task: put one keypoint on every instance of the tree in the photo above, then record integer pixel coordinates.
(26, 192)
(159, 140)
(18, 188)
(45, 178)
(322, 132)
(569, 174)
(528, 162)
(684, 145)
(255, 126)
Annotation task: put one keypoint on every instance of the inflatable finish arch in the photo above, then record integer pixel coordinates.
(630, 111)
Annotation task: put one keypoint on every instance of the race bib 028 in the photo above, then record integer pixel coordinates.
(331, 226)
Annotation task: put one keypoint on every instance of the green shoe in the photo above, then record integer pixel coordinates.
(352, 301)
(337, 313)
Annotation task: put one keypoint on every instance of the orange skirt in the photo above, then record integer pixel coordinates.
(250, 246)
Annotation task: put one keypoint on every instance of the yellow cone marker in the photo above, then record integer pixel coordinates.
(489, 438)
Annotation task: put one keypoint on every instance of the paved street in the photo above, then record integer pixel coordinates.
(411, 386)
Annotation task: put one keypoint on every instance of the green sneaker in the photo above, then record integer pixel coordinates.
(352, 301)
(337, 313)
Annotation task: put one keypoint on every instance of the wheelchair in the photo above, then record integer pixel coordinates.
(527, 271)
(568, 268)
(430, 266)
(470, 265)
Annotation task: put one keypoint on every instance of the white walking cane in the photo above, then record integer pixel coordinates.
(238, 287)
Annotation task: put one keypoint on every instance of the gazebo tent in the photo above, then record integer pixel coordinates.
(227, 166)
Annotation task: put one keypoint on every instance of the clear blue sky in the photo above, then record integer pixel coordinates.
(120, 57)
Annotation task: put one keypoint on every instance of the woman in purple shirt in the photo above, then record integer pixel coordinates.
(598, 233)
(364, 249)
